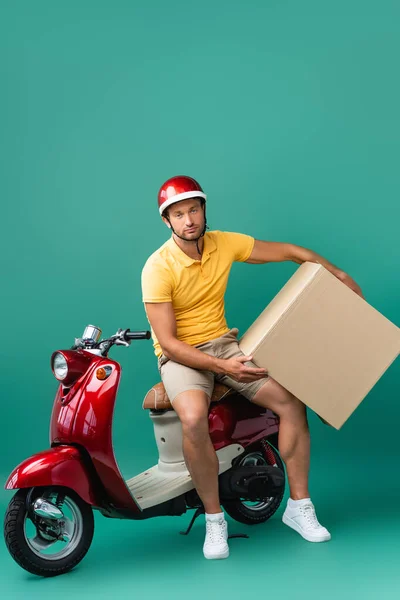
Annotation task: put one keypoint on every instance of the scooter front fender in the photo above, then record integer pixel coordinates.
(61, 466)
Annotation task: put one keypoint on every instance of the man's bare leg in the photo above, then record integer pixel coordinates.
(202, 463)
(294, 435)
(200, 457)
(294, 447)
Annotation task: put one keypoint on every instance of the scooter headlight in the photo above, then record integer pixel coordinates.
(69, 365)
(60, 366)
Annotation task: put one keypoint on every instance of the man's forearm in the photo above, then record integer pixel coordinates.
(192, 357)
(299, 255)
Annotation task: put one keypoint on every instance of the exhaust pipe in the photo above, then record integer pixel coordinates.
(47, 510)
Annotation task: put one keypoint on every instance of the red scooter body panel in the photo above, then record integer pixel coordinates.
(61, 465)
(238, 421)
(84, 417)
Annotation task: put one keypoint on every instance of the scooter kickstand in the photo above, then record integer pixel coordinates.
(199, 511)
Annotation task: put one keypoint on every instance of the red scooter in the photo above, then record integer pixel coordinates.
(49, 523)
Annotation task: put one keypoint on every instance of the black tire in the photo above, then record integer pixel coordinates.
(19, 548)
(253, 515)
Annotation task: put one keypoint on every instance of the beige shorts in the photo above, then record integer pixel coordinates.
(178, 378)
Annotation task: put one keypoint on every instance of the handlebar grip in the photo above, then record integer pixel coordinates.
(138, 335)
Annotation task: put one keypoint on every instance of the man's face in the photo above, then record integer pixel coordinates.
(187, 218)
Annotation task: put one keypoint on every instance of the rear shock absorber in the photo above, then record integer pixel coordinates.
(268, 453)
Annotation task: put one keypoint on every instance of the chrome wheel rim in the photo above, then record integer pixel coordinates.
(45, 546)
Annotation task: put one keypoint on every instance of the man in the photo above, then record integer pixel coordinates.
(183, 286)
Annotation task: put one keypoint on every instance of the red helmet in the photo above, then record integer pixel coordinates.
(176, 189)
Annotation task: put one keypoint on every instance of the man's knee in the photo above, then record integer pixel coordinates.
(192, 409)
(279, 399)
(194, 424)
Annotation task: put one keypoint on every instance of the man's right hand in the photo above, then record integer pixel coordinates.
(235, 368)
(162, 319)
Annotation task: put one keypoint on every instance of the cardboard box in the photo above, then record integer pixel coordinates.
(323, 343)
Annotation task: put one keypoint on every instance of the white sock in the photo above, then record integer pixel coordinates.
(215, 516)
(297, 503)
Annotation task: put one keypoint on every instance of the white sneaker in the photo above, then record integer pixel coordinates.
(216, 542)
(304, 520)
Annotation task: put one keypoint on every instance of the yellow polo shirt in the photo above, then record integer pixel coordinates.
(196, 288)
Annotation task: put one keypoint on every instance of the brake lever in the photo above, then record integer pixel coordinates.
(121, 342)
(120, 339)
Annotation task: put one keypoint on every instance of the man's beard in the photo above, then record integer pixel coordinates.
(194, 239)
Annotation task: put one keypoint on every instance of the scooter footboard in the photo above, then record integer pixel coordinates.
(58, 466)
(166, 481)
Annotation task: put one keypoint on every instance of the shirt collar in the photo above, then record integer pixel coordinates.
(184, 259)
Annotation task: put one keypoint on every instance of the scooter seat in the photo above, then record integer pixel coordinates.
(157, 399)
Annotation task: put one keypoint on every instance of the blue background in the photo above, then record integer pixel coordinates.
(287, 113)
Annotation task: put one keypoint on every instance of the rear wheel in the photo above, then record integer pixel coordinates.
(48, 546)
(252, 513)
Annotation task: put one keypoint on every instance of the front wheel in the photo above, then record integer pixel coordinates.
(252, 513)
(48, 546)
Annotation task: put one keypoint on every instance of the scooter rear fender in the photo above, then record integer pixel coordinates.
(58, 466)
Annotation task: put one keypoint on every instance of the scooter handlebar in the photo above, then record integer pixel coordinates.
(137, 335)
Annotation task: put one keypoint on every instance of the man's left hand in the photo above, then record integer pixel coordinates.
(347, 280)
